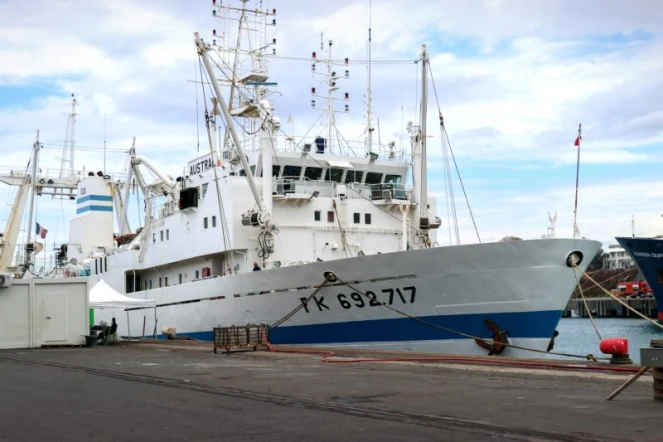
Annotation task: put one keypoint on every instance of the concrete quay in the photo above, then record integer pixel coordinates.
(180, 390)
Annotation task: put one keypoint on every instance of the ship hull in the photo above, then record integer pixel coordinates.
(522, 286)
(648, 256)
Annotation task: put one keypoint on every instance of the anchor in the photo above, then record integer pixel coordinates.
(499, 339)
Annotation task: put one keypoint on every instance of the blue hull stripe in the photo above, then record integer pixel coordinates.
(94, 198)
(540, 324)
(94, 209)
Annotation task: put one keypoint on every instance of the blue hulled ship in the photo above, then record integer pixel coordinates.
(648, 256)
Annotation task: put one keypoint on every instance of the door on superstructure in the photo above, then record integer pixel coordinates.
(55, 316)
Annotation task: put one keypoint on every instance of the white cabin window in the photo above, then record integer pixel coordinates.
(214, 221)
(373, 178)
(367, 218)
(336, 174)
(162, 235)
(313, 173)
(330, 216)
(154, 238)
(150, 284)
(204, 191)
(392, 179)
(160, 282)
(197, 274)
(167, 234)
(292, 172)
(317, 215)
(205, 222)
(357, 218)
(354, 176)
(166, 280)
(180, 278)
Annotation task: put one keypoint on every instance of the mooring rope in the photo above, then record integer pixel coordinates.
(619, 300)
(582, 295)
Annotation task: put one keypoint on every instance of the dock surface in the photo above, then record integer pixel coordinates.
(177, 392)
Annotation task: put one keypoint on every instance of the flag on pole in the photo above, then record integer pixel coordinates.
(578, 138)
(41, 231)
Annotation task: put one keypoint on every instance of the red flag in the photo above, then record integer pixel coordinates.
(577, 143)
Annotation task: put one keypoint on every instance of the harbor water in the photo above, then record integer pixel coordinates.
(577, 335)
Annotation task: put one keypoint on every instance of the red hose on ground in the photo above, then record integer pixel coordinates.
(324, 355)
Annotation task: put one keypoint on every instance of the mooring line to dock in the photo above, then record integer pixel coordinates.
(582, 295)
(588, 357)
(330, 277)
(619, 300)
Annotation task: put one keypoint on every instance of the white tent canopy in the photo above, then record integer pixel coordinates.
(104, 296)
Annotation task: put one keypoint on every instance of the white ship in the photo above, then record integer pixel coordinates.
(300, 209)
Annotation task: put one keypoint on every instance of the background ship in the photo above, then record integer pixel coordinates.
(648, 256)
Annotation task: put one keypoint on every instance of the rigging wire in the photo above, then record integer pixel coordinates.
(225, 231)
(197, 116)
(443, 131)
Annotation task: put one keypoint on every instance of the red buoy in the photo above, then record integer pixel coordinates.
(614, 346)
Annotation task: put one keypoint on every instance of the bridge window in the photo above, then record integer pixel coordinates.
(357, 218)
(335, 174)
(161, 235)
(392, 179)
(292, 172)
(313, 173)
(373, 178)
(167, 234)
(354, 176)
(205, 222)
(367, 218)
(317, 215)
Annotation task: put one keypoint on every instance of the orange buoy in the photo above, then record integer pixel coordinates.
(614, 346)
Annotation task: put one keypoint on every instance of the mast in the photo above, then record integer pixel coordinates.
(369, 127)
(202, 52)
(330, 77)
(28, 230)
(70, 141)
(423, 203)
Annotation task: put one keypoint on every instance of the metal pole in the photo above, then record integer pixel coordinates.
(423, 203)
(575, 209)
(28, 232)
(128, 325)
(369, 138)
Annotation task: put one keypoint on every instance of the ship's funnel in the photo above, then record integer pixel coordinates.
(92, 228)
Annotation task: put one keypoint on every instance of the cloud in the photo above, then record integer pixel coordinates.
(513, 80)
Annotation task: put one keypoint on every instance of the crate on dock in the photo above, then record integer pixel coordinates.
(247, 336)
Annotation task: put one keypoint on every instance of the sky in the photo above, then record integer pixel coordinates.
(513, 79)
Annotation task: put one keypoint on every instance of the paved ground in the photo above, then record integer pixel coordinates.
(174, 393)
